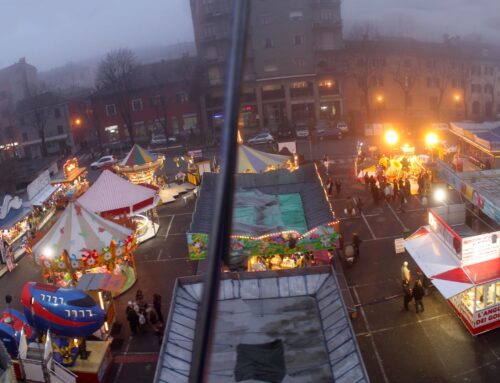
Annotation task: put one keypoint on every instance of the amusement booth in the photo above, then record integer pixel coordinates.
(73, 185)
(140, 166)
(14, 218)
(132, 205)
(40, 193)
(80, 243)
(196, 166)
(463, 265)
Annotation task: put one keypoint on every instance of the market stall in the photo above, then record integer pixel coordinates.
(14, 216)
(280, 220)
(40, 193)
(140, 166)
(81, 242)
(114, 197)
(72, 185)
(197, 166)
(462, 265)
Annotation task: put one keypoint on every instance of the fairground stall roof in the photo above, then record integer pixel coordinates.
(485, 135)
(251, 160)
(112, 195)
(138, 156)
(289, 326)
(298, 197)
(78, 231)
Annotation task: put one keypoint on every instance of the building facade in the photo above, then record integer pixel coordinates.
(290, 73)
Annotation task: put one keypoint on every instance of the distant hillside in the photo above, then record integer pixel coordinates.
(82, 74)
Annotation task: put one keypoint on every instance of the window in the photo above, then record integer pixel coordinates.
(25, 137)
(377, 81)
(140, 129)
(137, 104)
(266, 19)
(181, 97)
(270, 66)
(476, 70)
(209, 31)
(475, 88)
(296, 16)
(476, 107)
(488, 88)
(268, 43)
(175, 125)
(298, 40)
(299, 85)
(327, 14)
(57, 113)
(190, 123)
(112, 133)
(157, 101)
(488, 70)
(215, 75)
(299, 62)
(60, 129)
(111, 110)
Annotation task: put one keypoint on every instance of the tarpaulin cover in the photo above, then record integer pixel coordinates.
(262, 362)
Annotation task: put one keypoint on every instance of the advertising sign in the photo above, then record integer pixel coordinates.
(481, 247)
(487, 316)
(399, 245)
(449, 237)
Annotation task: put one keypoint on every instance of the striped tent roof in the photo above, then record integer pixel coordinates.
(254, 161)
(138, 156)
(78, 230)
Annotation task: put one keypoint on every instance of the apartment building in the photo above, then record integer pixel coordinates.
(290, 73)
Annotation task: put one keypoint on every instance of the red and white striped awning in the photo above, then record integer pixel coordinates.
(112, 195)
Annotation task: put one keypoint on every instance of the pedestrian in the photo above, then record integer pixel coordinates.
(407, 294)
(329, 187)
(420, 182)
(402, 200)
(395, 190)
(407, 187)
(356, 243)
(350, 207)
(376, 195)
(132, 318)
(367, 181)
(338, 186)
(401, 184)
(360, 206)
(326, 162)
(418, 294)
(157, 306)
(405, 273)
(151, 316)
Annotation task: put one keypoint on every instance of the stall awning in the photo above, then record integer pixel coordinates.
(101, 281)
(13, 217)
(438, 263)
(43, 195)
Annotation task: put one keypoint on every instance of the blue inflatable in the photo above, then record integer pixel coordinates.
(66, 312)
(11, 323)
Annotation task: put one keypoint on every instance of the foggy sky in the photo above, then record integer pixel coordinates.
(51, 33)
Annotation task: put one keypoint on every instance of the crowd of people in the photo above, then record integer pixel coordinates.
(142, 315)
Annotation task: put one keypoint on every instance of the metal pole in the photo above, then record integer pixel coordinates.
(221, 223)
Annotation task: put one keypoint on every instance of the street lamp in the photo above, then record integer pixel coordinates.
(380, 99)
(457, 97)
(440, 195)
(431, 139)
(391, 137)
(78, 122)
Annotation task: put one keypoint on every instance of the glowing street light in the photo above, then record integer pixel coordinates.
(457, 97)
(78, 122)
(431, 139)
(391, 137)
(440, 195)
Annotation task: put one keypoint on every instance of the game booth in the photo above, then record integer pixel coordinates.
(140, 166)
(72, 185)
(14, 217)
(404, 165)
(280, 219)
(463, 265)
(114, 197)
(81, 242)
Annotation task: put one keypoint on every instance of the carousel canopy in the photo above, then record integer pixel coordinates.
(268, 202)
(254, 161)
(138, 156)
(113, 195)
(77, 231)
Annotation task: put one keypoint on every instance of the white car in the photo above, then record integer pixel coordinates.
(104, 162)
(158, 139)
(261, 138)
(342, 126)
(302, 132)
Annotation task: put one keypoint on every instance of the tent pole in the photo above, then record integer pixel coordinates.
(221, 221)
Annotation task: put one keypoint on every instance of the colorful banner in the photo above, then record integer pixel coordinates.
(320, 238)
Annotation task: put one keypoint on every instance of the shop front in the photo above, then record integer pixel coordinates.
(464, 266)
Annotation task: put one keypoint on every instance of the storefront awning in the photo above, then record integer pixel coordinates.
(438, 263)
(43, 195)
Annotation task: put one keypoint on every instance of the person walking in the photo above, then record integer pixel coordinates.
(157, 306)
(338, 186)
(356, 243)
(350, 207)
(367, 181)
(395, 190)
(418, 294)
(405, 273)
(132, 318)
(407, 294)
(408, 187)
(360, 204)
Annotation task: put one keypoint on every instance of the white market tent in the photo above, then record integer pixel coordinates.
(112, 195)
(78, 231)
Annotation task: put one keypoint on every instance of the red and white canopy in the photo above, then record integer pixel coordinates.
(112, 195)
(439, 263)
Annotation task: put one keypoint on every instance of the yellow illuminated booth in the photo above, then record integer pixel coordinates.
(73, 185)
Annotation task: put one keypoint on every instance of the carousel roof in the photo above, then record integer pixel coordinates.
(111, 194)
(138, 156)
(254, 161)
(79, 230)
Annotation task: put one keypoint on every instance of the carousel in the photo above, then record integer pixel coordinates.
(132, 205)
(80, 243)
(251, 160)
(140, 166)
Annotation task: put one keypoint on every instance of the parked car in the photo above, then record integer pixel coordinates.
(285, 132)
(104, 162)
(158, 139)
(302, 129)
(331, 133)
(261, 138)
(342, 126)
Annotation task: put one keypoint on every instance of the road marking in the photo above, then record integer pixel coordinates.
(160, 254)
(120, 367)
(396, 216)
(383, 238)
(368, 225)
(169, 226)
(375, 350)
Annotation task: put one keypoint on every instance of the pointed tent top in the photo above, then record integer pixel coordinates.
(138, 156)
(254, 161)
(78, 230)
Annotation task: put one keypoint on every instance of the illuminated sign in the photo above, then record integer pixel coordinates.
(70, 166)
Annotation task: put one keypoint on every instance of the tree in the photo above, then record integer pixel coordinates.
(115, 74)
(441, 73)
(405, 73)
(462, 75)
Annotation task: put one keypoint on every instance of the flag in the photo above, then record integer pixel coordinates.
(23, 345)
(47, 354)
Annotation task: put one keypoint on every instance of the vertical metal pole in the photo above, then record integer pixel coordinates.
(221, 223)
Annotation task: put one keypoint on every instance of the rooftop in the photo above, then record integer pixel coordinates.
(485, 134)
(303, 308)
